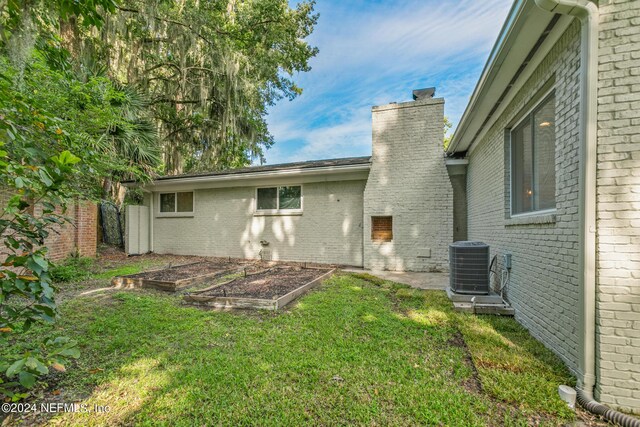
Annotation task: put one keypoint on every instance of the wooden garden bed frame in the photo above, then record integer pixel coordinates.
(131, 281)
(194, 298)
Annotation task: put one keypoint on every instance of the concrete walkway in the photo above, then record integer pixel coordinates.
(437, 281)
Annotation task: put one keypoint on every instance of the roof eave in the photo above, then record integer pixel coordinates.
(289, 173)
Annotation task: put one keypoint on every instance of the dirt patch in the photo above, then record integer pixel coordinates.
(186, 271)
(473, 383)
(268, 284)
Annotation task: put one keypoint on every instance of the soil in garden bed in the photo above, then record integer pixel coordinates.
(270, 284)
(187, 271)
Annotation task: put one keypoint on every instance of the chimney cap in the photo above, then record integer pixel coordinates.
(420, 94)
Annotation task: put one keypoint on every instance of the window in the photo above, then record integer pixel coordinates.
(181, 202)
(381, 228)
(533, 165)
(285, 198)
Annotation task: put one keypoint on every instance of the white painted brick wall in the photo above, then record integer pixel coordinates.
(329, 230)
(618, 204)
(544, 284)
(409, 181)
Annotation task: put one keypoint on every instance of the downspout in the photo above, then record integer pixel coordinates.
(151, 211)
(151, 216)
(587, 12)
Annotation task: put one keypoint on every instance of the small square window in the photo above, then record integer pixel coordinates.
(381, 228)
(267, 198)
(289, 197)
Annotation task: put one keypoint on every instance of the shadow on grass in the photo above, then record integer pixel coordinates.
(513, 367)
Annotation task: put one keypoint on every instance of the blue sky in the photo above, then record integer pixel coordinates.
(375, 52)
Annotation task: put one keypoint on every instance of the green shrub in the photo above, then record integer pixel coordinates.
(73, 269)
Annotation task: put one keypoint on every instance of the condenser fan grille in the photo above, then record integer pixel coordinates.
(469, 267)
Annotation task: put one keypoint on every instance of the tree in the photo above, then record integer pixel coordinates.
(209, 70)
(60, 136)
(447, 135)
(39, 190)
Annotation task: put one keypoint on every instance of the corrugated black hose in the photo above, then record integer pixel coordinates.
(608, 414)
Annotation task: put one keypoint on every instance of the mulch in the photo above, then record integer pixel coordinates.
(269, 284)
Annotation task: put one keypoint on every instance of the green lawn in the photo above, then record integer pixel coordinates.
(355, 351)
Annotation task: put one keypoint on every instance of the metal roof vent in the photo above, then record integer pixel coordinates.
(427, 93)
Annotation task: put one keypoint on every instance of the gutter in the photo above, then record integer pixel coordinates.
(251, 175)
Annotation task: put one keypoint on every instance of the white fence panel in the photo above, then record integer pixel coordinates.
(137, 230)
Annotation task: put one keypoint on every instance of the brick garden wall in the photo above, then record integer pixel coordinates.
(80, 236)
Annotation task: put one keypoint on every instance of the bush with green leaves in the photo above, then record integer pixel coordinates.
(27, 292)
(73, 269)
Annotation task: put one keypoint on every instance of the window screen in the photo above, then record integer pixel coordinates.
(176, 202)
(267, 198)
(185, 202)
(280, 198)
(168, 202)
(533, 168)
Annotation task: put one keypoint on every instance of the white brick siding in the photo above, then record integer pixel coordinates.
(223, 224)
(618, 204)
(544, 285)
(408, 180)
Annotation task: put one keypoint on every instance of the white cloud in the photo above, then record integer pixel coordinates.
(372, 53)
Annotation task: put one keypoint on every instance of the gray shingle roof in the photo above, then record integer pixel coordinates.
(312, 164)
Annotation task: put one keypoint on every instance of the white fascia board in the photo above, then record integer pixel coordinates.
(302, 175)
(456, 162)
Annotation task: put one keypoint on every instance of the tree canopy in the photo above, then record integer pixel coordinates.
(209, 70)
(202, 74)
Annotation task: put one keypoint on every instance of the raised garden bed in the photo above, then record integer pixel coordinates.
(178, 277)
(269, 289)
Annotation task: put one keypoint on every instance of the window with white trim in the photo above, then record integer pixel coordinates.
(533, 164)
(178, 202)
(279, 199)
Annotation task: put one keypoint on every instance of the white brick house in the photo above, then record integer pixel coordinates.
(388, 211)
(551, 139)
(544, 165)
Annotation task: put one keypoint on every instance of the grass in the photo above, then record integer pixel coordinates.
(76, 269)
(358, 350)
(122, 271)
